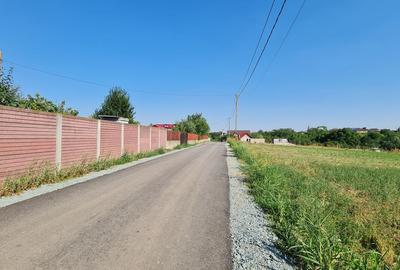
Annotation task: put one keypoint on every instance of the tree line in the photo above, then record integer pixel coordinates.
(344, 137)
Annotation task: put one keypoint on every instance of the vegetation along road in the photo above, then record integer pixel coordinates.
(168, 213)
(331, 208)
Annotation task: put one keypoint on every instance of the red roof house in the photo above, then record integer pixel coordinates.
(239, 133)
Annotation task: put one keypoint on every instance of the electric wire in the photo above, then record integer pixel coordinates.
(263, 50)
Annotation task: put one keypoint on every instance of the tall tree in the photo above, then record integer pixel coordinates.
(194, 123)
(9, 93)
(117, 103)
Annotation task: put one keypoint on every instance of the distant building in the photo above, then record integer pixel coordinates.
(360, 130)
(365, 130)
(257, 140)
(281, 141)
(245, 138)
(114, 118)
(166, 126)
(239, 133)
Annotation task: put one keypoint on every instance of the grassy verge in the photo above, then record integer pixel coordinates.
(181, 146)
(45, 174)
(331, 208)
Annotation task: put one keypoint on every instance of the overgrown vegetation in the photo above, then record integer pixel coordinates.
(331, 208)
(41, 174)
(218, 136)
(345, 137)
(117, 103)
(10, 95)
(195, 123)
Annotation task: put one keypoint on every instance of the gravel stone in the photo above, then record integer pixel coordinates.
(253, 242)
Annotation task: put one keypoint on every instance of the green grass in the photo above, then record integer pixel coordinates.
(46, 174)
(331, 208)
(181, 146)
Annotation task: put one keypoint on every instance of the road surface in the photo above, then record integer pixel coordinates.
(168, 213)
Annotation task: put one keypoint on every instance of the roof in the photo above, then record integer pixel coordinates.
(239, 133)
(114, 118)
(166, 126)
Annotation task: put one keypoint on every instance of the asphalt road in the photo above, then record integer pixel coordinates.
(168, 213)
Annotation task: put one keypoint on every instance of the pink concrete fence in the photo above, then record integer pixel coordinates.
(29, 138)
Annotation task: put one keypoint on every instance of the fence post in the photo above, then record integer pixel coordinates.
(150, 139)
(138, 138)
(98, 139)
(58, 140)
(122, 139)
(159, 138)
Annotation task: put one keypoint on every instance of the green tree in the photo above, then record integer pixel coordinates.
(390, 140)
(117, 103)
(40, 103)
(194, 123)
(318, 134)
(344, 137)
(371, 140)
(9, 93)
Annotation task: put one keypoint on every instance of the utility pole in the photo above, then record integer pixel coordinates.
(236, 110)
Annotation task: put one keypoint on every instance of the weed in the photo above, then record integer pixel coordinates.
(331, 208)
(40, 174)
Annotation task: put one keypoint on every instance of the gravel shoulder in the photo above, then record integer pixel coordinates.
(253, 242)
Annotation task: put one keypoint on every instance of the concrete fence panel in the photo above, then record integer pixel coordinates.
(155, 143)
(163, 137)
(110, 139)
(27, 139)
(30, 139)
(145, 139)
(79, 140)
(131, 139)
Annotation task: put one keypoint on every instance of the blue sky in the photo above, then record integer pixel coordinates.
(339, 66)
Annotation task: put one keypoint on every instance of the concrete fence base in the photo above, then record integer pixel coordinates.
(172, 144)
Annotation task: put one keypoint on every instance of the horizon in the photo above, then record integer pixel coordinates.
(337, 68)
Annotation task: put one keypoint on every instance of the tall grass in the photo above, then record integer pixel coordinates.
(327, 215)
(45, 174)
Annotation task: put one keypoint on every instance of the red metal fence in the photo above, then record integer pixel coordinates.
(29, 138)
(176, 136)
(173, 135)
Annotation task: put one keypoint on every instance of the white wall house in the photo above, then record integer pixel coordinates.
(281, 141)
(257, 140)
(245, 138)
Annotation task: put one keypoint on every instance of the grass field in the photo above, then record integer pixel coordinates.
(331, 208)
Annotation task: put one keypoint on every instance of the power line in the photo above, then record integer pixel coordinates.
(56, 74)
(106, 85)
(258, 44)
(265, 46)
(286, 35)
